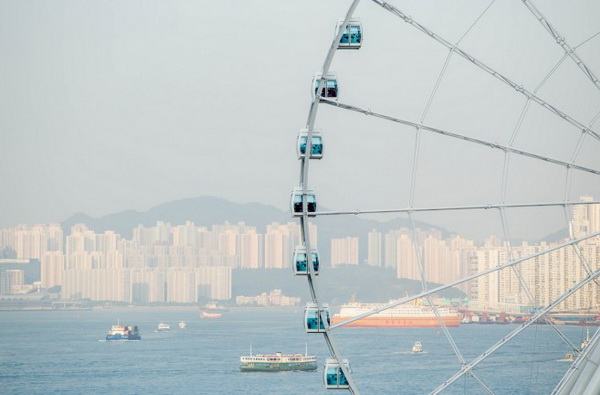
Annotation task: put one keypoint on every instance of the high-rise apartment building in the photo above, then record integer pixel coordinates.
(390, 254)
(407, 264)
(52, 267)
(181, 285)
(586, 218)
(344, 251)
(32, 242)
(251, 249)
(541, 280)
(280, 242)
(374, 249)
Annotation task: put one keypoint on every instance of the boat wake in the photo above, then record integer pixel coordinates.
(409, 352)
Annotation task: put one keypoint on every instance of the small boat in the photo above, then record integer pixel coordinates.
(163, 327)
(569, 357)
(586, 341)
(417, 347)
(123, 332)
(206, 314)
(277, 362)
(182, 325)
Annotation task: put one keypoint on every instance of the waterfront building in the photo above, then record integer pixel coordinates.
(274, 298)
(96, 284)
(12, 281)
(147, 286)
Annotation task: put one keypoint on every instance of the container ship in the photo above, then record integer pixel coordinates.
(123, 332)
(398, 316)
(277, 362)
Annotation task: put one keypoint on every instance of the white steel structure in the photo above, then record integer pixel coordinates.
(584, 377)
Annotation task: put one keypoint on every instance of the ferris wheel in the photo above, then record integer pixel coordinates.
(517, 157)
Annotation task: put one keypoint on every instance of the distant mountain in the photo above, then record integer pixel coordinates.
(208, 211)
(202, 211)
(556, 236)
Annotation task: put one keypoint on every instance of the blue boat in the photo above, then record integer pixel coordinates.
(123, 332)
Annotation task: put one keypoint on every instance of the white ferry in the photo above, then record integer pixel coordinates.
(277, 362)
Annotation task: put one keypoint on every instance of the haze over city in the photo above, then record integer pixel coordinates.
(109, 106)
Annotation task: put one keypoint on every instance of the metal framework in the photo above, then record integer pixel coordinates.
(466, 368)
(304, 168)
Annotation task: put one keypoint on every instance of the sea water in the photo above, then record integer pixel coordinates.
(63, 352)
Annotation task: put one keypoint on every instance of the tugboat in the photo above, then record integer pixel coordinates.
(123, 333)
(182, 325)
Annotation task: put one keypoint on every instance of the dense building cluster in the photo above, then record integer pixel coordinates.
(163, 263)
(273, 298)
(186, 263)
(536, 281)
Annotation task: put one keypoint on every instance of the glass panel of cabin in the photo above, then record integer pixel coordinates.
(315, 261)
(316, 146)
(355, 34)
(301, 262)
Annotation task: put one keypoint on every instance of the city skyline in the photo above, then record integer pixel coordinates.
(167, 263)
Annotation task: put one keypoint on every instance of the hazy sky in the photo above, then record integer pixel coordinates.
(114, 105)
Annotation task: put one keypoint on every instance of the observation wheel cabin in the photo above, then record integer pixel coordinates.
(326, 84)
(352, 34)
(298, 200)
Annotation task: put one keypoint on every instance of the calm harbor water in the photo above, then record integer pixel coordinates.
(62, 352)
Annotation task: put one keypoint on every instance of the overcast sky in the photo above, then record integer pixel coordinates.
(114, 105)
